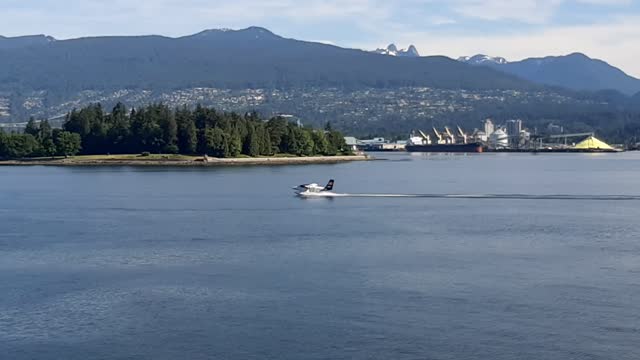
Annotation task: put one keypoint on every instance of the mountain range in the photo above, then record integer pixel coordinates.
(393, 50)
(249, 58)
(256, 57)
(574, 71)
(24, 41)
(255, 69)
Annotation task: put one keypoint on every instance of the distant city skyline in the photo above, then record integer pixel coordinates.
(603, 29)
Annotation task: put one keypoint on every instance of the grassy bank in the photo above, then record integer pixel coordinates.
(178, 160)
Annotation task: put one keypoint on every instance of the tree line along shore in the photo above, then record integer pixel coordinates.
(158, 129)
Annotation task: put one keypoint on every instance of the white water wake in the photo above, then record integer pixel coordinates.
(484, 196)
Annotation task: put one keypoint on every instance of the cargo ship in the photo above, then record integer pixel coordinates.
(446, 148)
(445, 142)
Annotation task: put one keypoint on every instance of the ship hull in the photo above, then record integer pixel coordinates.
(446, 148)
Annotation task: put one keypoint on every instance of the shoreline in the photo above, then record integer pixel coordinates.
(186, 162)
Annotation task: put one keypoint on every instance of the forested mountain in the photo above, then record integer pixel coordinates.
(253, 69)
(24, 41)
(575, 71)
(250, 58)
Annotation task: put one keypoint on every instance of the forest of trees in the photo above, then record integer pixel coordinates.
(159, 129)
(39, 140)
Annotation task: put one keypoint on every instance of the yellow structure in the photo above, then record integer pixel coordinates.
(591, 143)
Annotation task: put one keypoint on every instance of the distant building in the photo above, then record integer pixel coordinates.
(479, 135)
(489, 127)
(380, 144)
(514, 128)
(352, 142)
(374, 144)
(499, 139)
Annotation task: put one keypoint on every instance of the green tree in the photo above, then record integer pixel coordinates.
(265, 141)
(16, 146)
(187, 132)
(167, 123)
(216, 142)
(337, 143)
(277, 129)
(251, 145)
(47, 147)
(320, 144)
(119, 132)
(44, 130)
(157, 128)
(145, 131)
(306, 143)
(235, 145)
(3, 139)
(32, 128)
(67, 143)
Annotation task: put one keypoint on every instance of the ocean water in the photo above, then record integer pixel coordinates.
(225, 263)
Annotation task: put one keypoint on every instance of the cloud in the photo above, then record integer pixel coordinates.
(607, 2)
(528, 11)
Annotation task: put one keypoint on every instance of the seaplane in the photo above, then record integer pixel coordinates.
(309, 190)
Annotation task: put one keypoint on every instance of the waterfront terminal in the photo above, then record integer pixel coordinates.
(509, 137)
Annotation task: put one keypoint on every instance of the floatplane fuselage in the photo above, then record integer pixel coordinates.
(310, 190)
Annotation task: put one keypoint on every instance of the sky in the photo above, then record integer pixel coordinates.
(516, 29)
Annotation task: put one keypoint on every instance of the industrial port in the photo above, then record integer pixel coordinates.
(511, 136)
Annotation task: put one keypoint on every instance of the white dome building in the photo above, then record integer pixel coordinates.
(499, 139)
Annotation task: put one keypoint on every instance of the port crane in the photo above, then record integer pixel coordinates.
(452, 139)
(439, 136)
(462, 134)
(426, 137)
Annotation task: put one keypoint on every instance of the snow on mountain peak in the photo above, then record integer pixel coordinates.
(392, 50)
(481, 59)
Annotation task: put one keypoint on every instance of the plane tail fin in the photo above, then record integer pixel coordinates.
(329, 186)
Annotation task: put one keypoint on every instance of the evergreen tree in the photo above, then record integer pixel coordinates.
(320, 143)
(187, 132)
(235, 145)
(44, 130)
(67, 144)
(169, 127)
(337, 144)
(291, 142)
(265, 141)
(306, 144)
(119, 131)
(216, 142)
(251, 145)
(277, 129)
(47, 147)
(16, 146)
(3, 138)
(32, 128)
(156, 128)
(147, 134)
